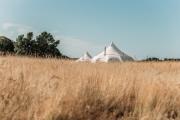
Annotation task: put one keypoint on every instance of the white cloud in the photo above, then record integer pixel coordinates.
(6, 26)
(12, 30)
(19, 27)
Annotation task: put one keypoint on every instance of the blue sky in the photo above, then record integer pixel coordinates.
(140, 28)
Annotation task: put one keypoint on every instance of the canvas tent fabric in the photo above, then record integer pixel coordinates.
(86, 57)
(112, 54)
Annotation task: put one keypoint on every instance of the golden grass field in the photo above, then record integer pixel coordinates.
(51, 89)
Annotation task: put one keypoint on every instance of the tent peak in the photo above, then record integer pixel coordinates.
(87, 54)
(86, 57)
(112, 44)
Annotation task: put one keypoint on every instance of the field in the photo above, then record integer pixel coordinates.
(51, 89)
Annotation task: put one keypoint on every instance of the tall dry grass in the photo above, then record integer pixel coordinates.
(39, 89)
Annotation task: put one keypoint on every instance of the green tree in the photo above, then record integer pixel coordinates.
(25, 45)
(47, 45)
(6, 45)
(44, 45)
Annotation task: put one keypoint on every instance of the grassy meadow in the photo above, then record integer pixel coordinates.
(52, 89)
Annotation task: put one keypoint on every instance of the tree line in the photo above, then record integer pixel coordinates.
(159, 60)
(43, 45)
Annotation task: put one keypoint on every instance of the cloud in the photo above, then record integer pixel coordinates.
(6, 26)
(18, 27)
(12, 30)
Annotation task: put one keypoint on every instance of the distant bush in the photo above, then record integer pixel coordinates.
(152, 59)
(171, 59)
(158, 59)
(6, 45)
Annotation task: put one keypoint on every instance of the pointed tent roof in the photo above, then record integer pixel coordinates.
(85, 57)
(112, 53)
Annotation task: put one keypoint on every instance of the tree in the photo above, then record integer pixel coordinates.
(6, 45)
(44, 45)
(25, 45)
(47, 45)
(152, 59)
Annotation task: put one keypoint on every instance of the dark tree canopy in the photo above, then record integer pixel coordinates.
(25, 45)
(44, 45)
(152, 59)
(6, 45)
(47, 45)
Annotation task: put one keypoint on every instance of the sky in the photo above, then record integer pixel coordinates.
(140, 28)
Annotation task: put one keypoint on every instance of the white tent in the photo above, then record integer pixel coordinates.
(86, 57)
(111, 54)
